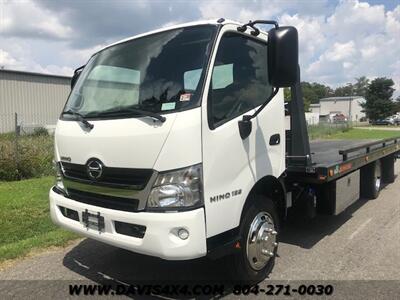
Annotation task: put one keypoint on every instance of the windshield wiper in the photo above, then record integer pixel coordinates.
(79, 117)
(134, 111)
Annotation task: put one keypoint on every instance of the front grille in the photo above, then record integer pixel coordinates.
(117, 203)
(136, 178)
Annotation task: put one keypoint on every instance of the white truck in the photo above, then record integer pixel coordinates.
(173, 144)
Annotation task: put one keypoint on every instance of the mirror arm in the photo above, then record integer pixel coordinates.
(245, 123)
(269, 22)
(276, 90)
(78, 69)
(76, 75)
(252, 23)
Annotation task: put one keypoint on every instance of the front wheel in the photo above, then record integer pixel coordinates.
(259, 232)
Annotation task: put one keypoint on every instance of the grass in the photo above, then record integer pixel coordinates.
(359, 134)
(342, 131)
(25, 223)
(323, 130)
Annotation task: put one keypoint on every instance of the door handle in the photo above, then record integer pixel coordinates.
(275, 139)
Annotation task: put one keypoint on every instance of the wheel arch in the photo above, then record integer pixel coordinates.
(273, 188)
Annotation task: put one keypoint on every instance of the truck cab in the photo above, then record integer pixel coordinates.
(172, 143)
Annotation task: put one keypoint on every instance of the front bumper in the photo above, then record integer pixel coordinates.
(160, 238)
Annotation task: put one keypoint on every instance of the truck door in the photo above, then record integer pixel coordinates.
(237, 84)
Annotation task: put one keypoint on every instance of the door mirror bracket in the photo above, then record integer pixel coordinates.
(245, 124)
(76, 75)
(245, 127)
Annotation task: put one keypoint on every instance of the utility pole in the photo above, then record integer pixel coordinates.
(351, 100)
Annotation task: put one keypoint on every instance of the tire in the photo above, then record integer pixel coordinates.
(388, 169)
(371, 180)
(261, 214)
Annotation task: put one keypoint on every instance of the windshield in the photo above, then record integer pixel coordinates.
(158, 73)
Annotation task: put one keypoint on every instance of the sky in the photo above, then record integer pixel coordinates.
(339, 39)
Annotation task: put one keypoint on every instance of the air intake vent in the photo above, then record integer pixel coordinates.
(133, 230)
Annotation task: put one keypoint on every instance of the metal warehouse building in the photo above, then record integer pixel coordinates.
(350, 106)
(36, 98)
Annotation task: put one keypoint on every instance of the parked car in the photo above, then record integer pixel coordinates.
(396, 119)
(339, 118)
(386, 121)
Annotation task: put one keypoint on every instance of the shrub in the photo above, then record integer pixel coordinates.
(40, 131)
(33, 158)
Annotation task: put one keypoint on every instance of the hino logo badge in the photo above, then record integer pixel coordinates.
(94, 168)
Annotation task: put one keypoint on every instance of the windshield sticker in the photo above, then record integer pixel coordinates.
(168, 106)
(185, 97)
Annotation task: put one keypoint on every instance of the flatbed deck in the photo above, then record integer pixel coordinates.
(326, 152)
(332, 159)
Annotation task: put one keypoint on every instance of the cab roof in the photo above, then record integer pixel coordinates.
(220, 21)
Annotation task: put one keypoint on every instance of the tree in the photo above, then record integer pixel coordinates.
(343, 91)
(357, 89)
(308, 94)
(313, 92)
(378, 97)
(286, 94)
(361, 86)
(397, 105)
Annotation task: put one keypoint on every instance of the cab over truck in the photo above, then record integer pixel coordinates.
(173, 144)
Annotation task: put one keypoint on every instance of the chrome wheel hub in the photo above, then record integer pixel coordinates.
(377, 177)
(261, 241)
(378, 184)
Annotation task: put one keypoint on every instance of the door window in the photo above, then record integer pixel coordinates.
(239, 79)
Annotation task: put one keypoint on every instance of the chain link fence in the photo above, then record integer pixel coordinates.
(26, 151)
(326, 129)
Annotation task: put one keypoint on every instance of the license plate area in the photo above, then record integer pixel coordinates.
(93, 221)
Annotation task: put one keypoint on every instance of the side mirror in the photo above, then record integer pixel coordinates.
(283, 56)
(76, 75)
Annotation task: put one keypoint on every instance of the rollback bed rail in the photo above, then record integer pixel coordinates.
(378, 144)
(321, 173)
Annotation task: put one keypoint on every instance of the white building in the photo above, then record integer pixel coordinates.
(349, 106)
(36, 98)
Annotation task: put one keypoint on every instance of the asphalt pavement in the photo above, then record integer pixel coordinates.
(358, 252)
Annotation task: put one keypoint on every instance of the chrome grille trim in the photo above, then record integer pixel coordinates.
(111, 176)
(123, 192)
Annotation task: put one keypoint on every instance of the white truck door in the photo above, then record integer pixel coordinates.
(236, 85)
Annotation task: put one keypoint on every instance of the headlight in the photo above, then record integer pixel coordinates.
(177, 189)
(59, 175)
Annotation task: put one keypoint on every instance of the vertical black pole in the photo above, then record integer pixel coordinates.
(300, 145)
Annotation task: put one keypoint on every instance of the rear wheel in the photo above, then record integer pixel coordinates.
(371, 180)
(388, 169)
(259, 241)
